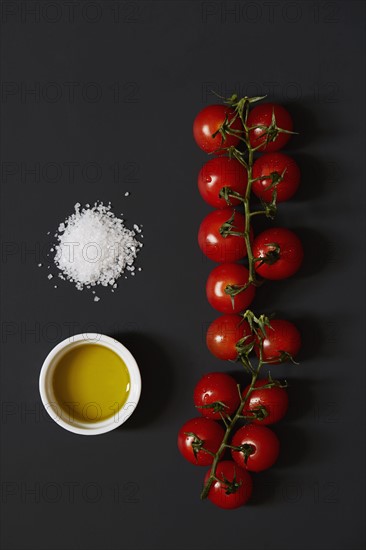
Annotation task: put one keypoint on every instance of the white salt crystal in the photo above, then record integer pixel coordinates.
(39, 265)
(94, 247)
(96, 299)
(49, 276)
(127, 193)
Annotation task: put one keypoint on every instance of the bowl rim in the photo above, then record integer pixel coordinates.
(128, 407)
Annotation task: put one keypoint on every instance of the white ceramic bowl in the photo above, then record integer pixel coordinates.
(50, 402)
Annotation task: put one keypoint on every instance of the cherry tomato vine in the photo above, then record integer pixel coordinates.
(234, 133)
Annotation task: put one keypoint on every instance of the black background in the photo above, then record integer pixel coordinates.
(139, 77)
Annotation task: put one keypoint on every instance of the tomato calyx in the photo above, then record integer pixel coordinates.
(240, 156)
(246, 448)
(225, 129)
(282, 357)
(285, 356)
(275, 178)
(270, 132)
(258, 325)
(216, 406)
(231, 487)
(197, 444)
(240, 105)
(227, 193)
(244, 348)
(274, 383)
(245, 345)
(234, 290)
(269, 208)
(270, 257)
(228, 228)
(259, 413)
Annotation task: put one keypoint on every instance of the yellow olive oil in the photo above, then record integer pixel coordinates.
(91, 383)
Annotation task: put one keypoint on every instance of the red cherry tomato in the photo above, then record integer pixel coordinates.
(212, 240)
(274, 400)
(198, 435)
(281, 336)
(221, 277)
(222, 172)
(214, 393)
(269, 138)
(260, 447)
(269, 168)
(207, 124)
(234, 487)
(281, 252)
(224, 333)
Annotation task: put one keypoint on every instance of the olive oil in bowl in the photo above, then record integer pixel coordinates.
(91, 383)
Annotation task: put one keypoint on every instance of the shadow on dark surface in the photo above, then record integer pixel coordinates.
(295, 444)
(305, 123)
(154, 366)
(312, 337)
(309, 128)
(317, 251)
(266, 487)
(301, 398)
(314, 176)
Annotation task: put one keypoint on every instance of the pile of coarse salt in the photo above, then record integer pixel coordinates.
(94, 247)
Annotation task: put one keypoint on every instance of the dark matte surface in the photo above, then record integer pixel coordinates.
(130, 489)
